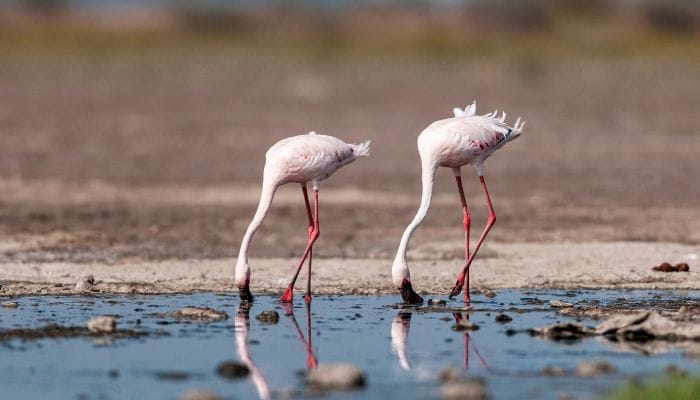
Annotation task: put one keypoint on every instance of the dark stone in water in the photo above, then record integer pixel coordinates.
(503, 318)
(336, 377)
(268, 317)
(465, 325)
(562, 331)
(232, 370)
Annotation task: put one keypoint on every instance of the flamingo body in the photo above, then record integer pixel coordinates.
(309, 158)
(465, 139)
(300, 159)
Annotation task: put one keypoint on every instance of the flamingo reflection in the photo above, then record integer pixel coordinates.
(400, 326)
(467, 341)
(242, 329)
(311, 361)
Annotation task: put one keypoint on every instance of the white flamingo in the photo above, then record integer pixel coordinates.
(301, 159)
(466, 138)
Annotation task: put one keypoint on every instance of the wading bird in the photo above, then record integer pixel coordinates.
(300, 159)
(466, 138)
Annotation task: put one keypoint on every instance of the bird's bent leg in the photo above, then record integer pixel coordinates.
(307, 296)
(465, 272)
(288, 294)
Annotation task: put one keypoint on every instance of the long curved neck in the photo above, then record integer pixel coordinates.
(242, 327)
(268, 193)
(400, 268)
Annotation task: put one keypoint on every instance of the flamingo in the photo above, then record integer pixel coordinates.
(300, 159)
(465, 139)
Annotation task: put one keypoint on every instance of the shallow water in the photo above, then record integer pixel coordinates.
(401, 350)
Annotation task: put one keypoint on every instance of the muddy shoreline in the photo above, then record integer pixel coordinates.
(515, 265)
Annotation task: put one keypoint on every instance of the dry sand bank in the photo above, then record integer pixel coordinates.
(516, 265)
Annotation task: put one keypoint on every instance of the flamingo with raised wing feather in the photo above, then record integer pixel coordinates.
(299, 159)
(464, 139)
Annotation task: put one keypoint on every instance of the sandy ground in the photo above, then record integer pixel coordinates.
(145, 172)
(515, 265)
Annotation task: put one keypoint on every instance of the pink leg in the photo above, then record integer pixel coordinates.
(465, 272)
(311, 361)
(467, 224)
(307, 295)
(467, 218)
(288, 294)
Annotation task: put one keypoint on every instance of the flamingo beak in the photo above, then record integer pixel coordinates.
(456, 290)
(408, 294)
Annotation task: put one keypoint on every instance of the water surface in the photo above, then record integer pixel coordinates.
(401, 350)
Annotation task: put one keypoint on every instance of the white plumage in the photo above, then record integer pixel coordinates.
(464, 139)
(300, 159)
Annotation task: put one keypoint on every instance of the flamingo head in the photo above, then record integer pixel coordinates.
(242, 278)
(408, 294)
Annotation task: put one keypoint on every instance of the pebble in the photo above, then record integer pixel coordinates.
(232, 370)
(503, 318)
(553, 371)
(268, 317)
(448, 374)
(437, 302)
(200, 314)
(469, 389)
(200, 394)
(590, 369)
(465, 325)
(102, 324)
(336, 377)
(666, 267)
(86, 284)
(490, 294)
(559, 304)
(9, 304)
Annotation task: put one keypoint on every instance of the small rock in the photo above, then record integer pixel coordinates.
(232, 370)
(503, 318)
(336, 377)
(666, 267)
(562, 331)
(86, 284)
(437, 302)
(490, 294)
(469, 389)
(9, 304)
(448, 374)
(200, 314)
(268, 317)
(590, 369)
(559, 304)
(465, 325)
(102, 324)
(553, 371)
(200, 394)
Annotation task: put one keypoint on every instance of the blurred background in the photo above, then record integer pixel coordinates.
(137, 129)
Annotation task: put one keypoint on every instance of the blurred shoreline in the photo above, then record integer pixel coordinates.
(536, 31)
